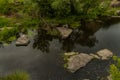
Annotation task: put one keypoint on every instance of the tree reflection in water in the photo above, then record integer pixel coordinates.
(1, 45)
(84, 37)
(42, 40)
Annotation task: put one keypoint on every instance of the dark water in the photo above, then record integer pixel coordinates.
(42, 58)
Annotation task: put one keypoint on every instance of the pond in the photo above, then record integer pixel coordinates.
(42, 58)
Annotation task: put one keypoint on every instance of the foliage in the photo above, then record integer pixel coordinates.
(8, 35)
(4, 6)
(71, 12)
(16, 76)
(115, 69)
(64, 8)
(4, 22)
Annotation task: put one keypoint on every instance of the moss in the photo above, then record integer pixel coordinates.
(75, 25)
(66, 57)
(8, 35)
(53, 32)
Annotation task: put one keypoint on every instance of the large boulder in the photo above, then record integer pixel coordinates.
(23, 40)
(64, 32)
(105, 54)
(75, 62)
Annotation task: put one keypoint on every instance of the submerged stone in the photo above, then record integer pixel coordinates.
(23, 40)
(64, 32)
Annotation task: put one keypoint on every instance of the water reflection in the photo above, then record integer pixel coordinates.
(41, 41)
(83, 36)
(1, 45)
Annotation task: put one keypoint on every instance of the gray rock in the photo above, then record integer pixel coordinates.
(109, 77)
(75, 62)
(105, 54)
(86, 79)
(115, 3)
(118, 12)
(23, 40)
(95, 56)
(64, 32)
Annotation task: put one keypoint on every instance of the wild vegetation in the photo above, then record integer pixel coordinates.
(24, 14)
(18, 16)
(16, 76)
(115, 68)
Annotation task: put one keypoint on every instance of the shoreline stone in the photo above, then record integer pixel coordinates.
(23, 40)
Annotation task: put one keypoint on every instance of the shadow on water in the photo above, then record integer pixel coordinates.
(89, 39)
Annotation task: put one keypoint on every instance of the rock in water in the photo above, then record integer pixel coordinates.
(105, 54)
(64, 32)
(75, 62)
(23, 40)
(109, 77)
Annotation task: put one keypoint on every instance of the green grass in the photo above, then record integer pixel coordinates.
(16, 76)
(4, 21)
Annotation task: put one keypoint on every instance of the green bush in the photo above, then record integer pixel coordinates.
(7, 35)
(65, 8)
